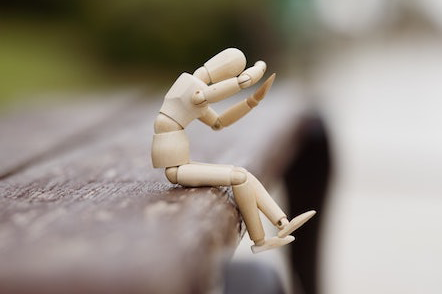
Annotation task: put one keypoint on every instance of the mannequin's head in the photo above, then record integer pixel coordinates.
(227, 64)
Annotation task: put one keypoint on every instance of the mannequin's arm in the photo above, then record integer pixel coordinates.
(237, 111)
(229, 87)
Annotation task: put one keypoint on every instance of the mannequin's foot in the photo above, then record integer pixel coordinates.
(272, 243)
(295, 223)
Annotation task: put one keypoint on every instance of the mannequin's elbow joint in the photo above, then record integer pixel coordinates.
(217, 126)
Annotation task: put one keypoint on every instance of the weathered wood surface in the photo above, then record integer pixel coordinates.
(31, 135)
(95, 216)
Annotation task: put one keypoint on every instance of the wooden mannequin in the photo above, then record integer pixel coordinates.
(188, 99)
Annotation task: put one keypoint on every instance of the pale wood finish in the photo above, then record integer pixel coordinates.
(253, 74)
(239, 110)
(296, 223)
(188, 99)
(226, 64)
(272, 243)
(170, 148)
(234, 113)
(246, 201)
(221, 90)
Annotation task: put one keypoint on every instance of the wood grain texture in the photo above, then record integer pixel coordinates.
(33, 132)
(96, 217)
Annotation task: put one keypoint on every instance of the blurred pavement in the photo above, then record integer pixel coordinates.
(382, 100)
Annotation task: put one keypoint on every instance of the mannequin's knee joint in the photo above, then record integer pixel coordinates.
(172, 174)
(238, 176)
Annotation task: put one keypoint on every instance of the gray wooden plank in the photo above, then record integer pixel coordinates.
(100, 211)
(31, 132)
(97, 214)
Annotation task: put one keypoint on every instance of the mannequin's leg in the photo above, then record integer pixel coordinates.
(265, 202)
(245, 189)
(274, 213)
(245, 197)
(203, 174)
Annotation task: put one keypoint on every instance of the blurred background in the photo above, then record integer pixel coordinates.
(370, 69)
(74, 45)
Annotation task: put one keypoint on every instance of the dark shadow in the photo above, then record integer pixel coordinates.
(306, 181)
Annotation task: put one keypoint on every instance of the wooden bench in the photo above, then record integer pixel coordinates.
(83, 211)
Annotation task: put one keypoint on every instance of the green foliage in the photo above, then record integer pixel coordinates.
(50, 44)
(168, 33)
